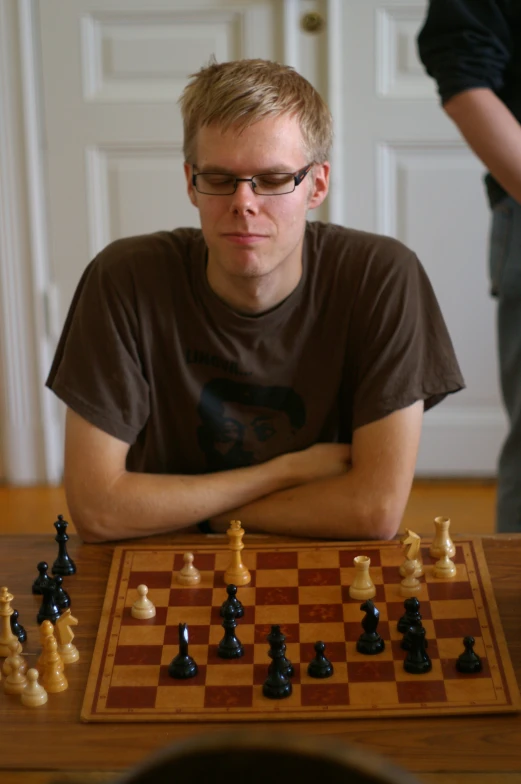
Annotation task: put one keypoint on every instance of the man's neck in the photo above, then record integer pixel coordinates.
(256, 295)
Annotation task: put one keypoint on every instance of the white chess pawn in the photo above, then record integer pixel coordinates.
(15, 682)
(142, 607)
(34, 694)
(362, 587)
(444, 569)
(188, 575)
(410, 585)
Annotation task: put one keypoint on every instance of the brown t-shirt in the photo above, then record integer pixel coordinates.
(152, 356)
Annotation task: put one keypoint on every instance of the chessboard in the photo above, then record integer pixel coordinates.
(304, 588)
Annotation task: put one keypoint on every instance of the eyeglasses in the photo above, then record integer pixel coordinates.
(268, 184)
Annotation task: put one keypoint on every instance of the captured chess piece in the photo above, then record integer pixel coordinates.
(16, 628)
(61, 597)
(442, 538)
(468, 661)
(277, 685)
(142, 609)
(6, 635)
(412, 544)
(444, 569)
(370, 641)
(34, 694)
(236, 573)
(49, 610)
(182, 666)
(63, 565)
(417, 661)
(6, 666)
(232, 601)
(64, 636)
(276, 638)
(189, 575)
(42, 579)
(229, 647)
(46, 631)
(410, 585)
(53, 679)
(320, 667)
(15, 680)
(362, 586)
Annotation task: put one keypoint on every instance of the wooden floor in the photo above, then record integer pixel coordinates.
(469, 504)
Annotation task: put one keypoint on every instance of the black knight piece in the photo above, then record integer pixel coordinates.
(276, 638)
(42, 579)
(370, 641)
(320, 667)
(16, 628)
(63, 565)
(49, 610)
(417, 660)
(61, 597)
(229, 647)
(232, 601)
(182, 666)
(468, 661)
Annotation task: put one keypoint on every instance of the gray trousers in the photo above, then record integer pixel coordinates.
(505, 275)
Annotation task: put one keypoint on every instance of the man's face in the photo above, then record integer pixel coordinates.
(257, 430)
(250, 236)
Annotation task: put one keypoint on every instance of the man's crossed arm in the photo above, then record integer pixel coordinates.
(328, 490)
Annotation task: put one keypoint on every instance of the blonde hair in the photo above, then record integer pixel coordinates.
(242, 92)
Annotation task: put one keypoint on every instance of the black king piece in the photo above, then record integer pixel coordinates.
(63, 565)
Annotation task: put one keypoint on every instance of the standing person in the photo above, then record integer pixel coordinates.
(472, 48)
(264, 368)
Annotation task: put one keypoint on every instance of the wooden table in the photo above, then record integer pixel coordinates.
(36, 745)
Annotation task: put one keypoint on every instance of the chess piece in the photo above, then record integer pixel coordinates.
(412, 614)
(49, 610)
(276, 638)
(64, 635)
(6, 635)
(236, 573)
(34, 694)
(320, 667)
(63, 565)
(232, 601)
(412, 544)
(410, 585)
(362, 586)
(468, 661)
(441, 538)
(406, 643)
(15, 680)
(61, 597)
(16, 628)
(42, 579)
(277, 685)
(229, 647)
(22, 664)
(444, 569)
(182, 666)
(53, 679)
(46, 630)
(417, 660)
(142, 607)
(370, 641)
(189, 575)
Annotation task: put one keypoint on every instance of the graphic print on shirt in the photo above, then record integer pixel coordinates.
(245, 424)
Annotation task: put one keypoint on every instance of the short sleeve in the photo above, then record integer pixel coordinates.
(400, 349)
(97, 369)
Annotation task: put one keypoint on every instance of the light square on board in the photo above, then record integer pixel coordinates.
(236, 674)
(460, 608)
(139, 635)
(373, 695)
(152, 561)
(181, 614)
(327, 632)
(463, 690)
(135, 675)
(188, 697)
(270, 578)
(329, 594)
(277, 614)
(315, 558)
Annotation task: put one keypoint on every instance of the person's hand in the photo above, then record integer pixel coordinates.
(319, 461)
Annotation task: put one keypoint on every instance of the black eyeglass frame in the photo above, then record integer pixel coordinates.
(298, 176)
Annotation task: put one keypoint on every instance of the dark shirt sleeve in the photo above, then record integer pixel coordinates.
(97, 370)
(465, 44)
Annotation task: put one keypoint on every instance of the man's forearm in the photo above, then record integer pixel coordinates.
(492, 132)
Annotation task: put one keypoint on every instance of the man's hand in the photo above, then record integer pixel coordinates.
(318, 462)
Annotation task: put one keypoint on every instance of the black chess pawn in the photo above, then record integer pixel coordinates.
(232, 601)
(275, 637)
(406, 642)
(468, 661)
(229, 647)
(277, 685)
(320, 667)
(16, 628)
(417, 660)
(182, 666)
(49, 610)
(61, 597)
(412, 614)
(63, 565)
(42, 579)
(370, 641)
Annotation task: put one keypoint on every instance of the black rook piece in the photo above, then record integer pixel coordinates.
(276, 639)
(16, 628)
(417, 660)
(63, 565)
(412, 614)
(49, 610)
(320, 667)
(232, 601)
(370, 641)
(182, 666)
(468, 661)
(61, 597)
(42, 579)
(229, 647)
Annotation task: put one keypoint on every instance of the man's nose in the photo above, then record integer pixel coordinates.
(244, 199)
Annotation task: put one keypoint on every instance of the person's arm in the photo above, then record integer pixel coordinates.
(493, 132)
(107, 502)
(366, 503)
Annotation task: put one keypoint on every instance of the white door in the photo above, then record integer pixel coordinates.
(111, 79)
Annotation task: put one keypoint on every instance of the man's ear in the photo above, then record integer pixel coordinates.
(320, 185)
(189, 186)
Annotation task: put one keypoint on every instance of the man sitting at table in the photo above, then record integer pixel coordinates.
(264, 367)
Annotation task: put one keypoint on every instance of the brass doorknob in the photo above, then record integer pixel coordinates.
(313, 22)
